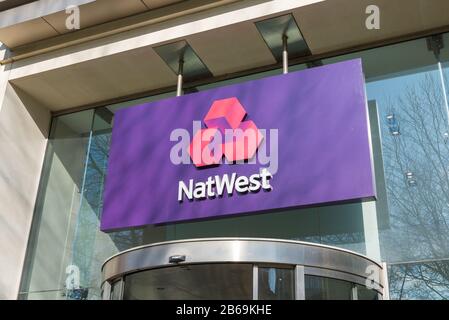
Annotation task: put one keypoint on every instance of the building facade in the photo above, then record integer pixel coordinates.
(62, 83)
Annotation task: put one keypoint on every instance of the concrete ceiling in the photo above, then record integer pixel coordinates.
(20, 34)
(38, 20)
(99, 80)
(326, 26)
(9, 4)
(142, 70)
(97, 12)
(231, 49)
(338, 24)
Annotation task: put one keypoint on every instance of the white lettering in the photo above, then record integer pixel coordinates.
(218, 186)
(182, 189)
(210, 184)
(241, 184)
(186, 310)
(372, 22)
(200, 191)
(254, 183)
(265, 175)
(222, 182)
(179, 153)
(73, 21)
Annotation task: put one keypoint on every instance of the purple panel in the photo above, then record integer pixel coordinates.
(324, 150)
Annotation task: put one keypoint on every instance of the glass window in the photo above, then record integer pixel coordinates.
(276, 284)
(192, 282)
(364, 293)
(116, 290)
(419, 281)
(56, 267)
(407, 87)
(320, 288)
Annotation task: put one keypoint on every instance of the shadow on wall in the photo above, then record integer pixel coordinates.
(23, 133)
(38, 113)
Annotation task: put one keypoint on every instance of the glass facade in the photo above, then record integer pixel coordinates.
(407, 226)
(232, 281)
(276, 283)
(319, 288)
(191, 282)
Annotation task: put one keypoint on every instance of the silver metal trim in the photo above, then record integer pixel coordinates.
(300, 288)
(285, 54)
(121, 288)
(180, 78)
(342, 262)
(386, 291)
(354, 293)
(255, 282)
(311, 244)
(240, 239)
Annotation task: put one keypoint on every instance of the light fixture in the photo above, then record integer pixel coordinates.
(410, 177)
(177, 259)
(393, 124)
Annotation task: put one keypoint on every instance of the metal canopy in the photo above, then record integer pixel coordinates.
(192, 66)
(273, 31)
(167, 261)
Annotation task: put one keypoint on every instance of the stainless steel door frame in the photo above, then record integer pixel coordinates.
(305, 258)
(255, 282)
(300, 291)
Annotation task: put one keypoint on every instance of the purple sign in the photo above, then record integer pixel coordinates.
(312, 146)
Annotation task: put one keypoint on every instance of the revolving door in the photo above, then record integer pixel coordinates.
(241, 269)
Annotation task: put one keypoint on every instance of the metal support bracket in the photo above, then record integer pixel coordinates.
(184, 62)
(283, 37)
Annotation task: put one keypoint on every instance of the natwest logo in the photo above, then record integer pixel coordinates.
(227, 134)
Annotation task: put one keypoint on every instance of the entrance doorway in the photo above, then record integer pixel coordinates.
(241, 269)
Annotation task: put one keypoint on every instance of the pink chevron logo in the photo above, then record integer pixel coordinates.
(239, 139)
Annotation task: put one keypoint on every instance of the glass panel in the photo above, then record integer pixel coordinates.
(407, 84)
(276, 284)
(340, 225)
(192, 282)
(419, 281)
(43, 295)
(407, 89)
(116, 290)
(363, 293)
(52, 273)
(320, 288)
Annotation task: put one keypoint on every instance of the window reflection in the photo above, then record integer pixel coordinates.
(192, 282)
(276, 284)
(364, 293)
(319, 288)
(419, 281)
(116, 290)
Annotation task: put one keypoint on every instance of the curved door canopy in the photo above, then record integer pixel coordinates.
(241, 269)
